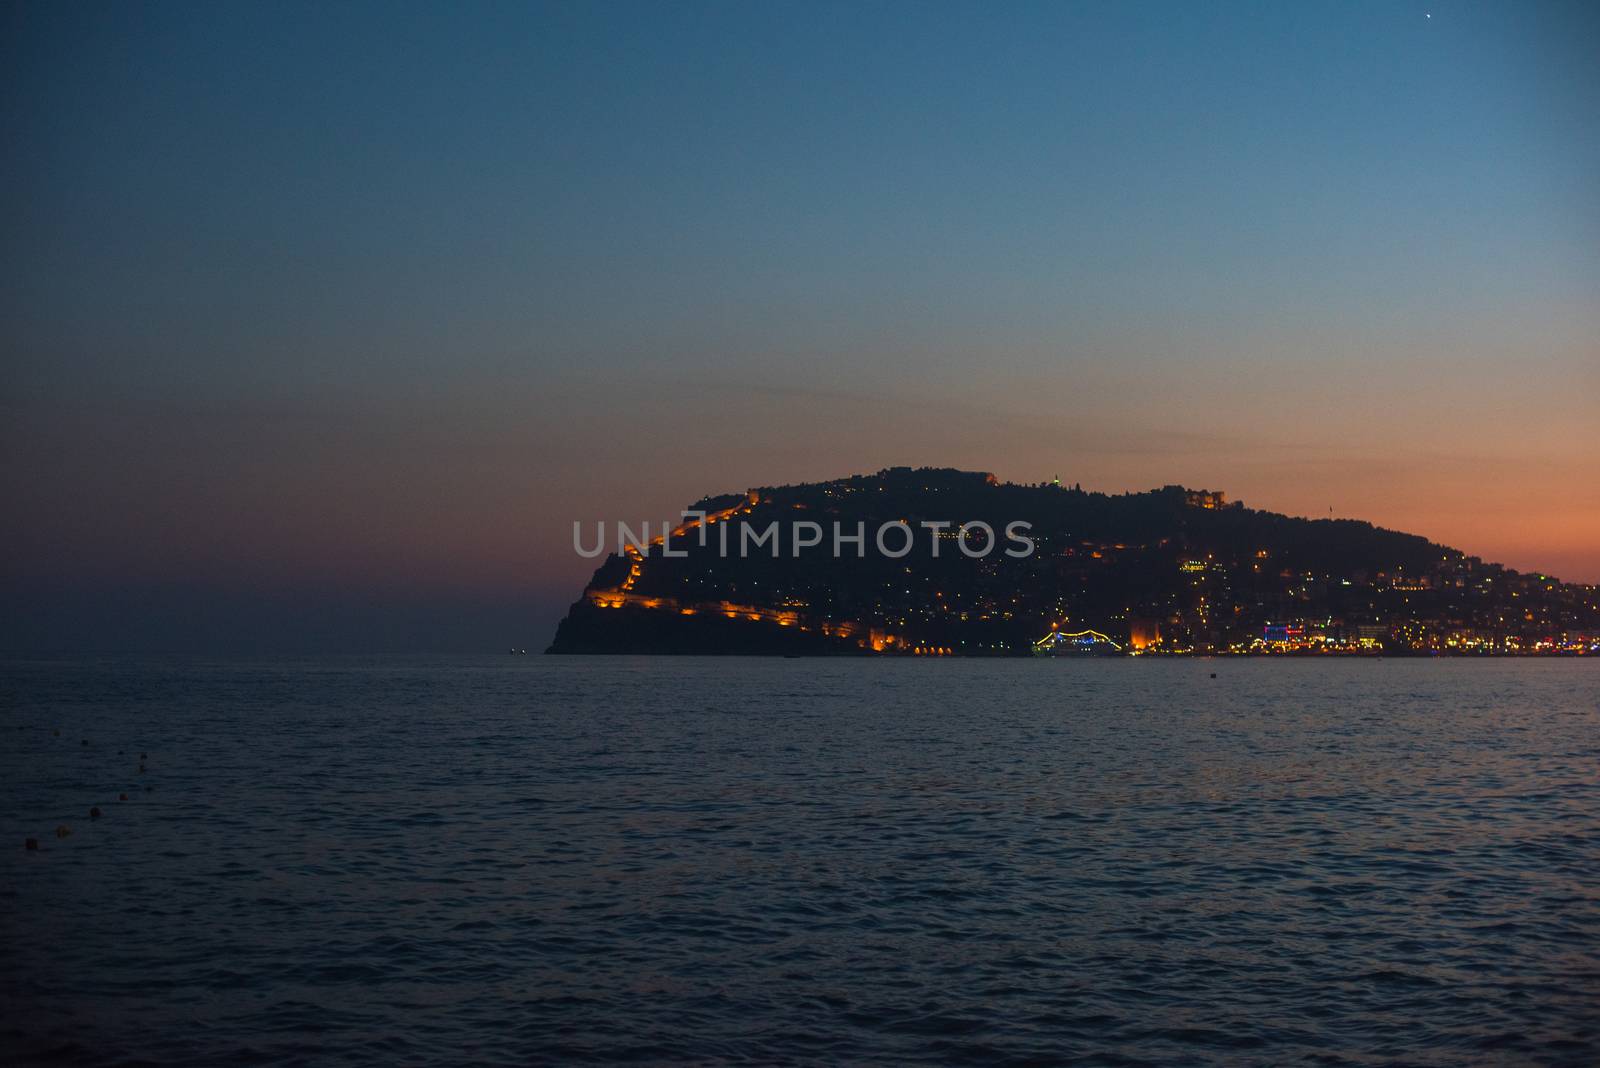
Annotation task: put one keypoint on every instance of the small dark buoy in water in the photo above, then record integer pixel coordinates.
(1213, 674)
(56, 733)
(94, 813)
(86, 741)
(30, 844)
(143, 757)
(122, 797)
(63, 830)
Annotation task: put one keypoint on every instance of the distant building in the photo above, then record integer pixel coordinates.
(1143, 633)
(1207, 499)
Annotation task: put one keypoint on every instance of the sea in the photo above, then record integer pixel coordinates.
(609, 860)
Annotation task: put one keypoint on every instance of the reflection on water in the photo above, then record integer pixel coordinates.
(533, 859)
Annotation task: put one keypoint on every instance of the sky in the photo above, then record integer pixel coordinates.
(322, 323)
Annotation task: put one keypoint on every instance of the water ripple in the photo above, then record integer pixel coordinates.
(536, 860)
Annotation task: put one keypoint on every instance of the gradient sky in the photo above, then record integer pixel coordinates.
(322, 323)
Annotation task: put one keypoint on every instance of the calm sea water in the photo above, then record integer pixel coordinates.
(535, 859)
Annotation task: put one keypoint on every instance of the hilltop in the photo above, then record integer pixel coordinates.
(1171, 570)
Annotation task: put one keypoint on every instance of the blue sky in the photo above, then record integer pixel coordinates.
(393, 293)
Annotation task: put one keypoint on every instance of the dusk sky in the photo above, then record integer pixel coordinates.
(323, 323)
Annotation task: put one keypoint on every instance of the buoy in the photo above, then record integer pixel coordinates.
(94, 813)
(30, 844)
(63, 830)
(122, 797)
(56, 733)
(86, 741)
(1213, 674)
(144, 756)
